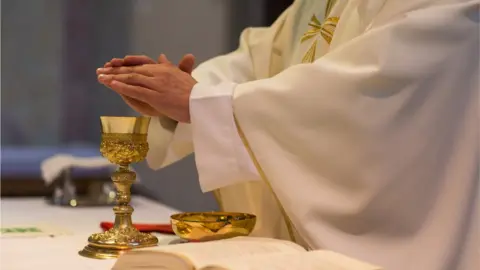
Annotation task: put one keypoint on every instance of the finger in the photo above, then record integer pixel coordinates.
(117, 62)
(131, 79)
(135, 60)
(133, 91)
(162, 59)
(187, 63)
(144, 70)
(106, 65)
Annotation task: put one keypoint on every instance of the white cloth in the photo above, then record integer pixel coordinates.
(216, 140)
(53, 167)
(61, 251)
(373, 148)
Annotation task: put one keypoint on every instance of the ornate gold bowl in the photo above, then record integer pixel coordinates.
(206, 226)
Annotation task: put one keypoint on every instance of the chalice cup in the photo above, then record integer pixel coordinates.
(124, 141)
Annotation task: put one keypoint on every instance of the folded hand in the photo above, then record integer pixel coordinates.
(163, 87)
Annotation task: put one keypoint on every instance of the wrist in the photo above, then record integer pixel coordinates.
(185, 118)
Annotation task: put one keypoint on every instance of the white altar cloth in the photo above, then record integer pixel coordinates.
(61, 252)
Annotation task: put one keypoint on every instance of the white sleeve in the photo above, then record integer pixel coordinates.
(171, 141)
(220, 154)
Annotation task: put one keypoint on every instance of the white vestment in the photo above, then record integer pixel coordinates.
(348, 125)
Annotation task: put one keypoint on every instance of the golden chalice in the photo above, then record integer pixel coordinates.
(124, 141)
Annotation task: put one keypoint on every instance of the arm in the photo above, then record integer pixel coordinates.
(171, 141)
(331, 119)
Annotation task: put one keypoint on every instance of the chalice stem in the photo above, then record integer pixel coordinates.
(123, 179)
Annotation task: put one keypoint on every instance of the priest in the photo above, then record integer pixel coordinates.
(347, 125)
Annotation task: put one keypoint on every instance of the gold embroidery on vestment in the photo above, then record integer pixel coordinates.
(328, 7)
(325, 29)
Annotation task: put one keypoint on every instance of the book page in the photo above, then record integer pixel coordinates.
(202, 253)
(313, 260)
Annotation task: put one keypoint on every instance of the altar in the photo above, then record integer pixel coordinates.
(76, 224)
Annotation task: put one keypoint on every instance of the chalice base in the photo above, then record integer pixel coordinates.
(112, 243)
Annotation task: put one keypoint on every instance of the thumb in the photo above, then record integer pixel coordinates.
(187, 63)
(162, 59)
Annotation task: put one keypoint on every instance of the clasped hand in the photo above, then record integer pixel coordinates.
(152, 88)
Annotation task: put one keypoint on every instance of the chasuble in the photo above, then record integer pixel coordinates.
(348, 125)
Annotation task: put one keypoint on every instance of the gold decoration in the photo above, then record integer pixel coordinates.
(207, 226)
(309, 56)
(124, 141)
(124, 148)
(328, 7)
(325, 29)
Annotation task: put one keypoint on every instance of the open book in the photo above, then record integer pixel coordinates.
(240, 253)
